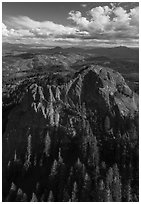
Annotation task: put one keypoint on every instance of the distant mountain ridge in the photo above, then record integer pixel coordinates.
(113, 52)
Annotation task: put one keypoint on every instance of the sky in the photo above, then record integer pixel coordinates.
(97, 24)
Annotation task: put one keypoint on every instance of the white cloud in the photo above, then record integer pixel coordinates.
(84, 5)
(4, 30)
(36, 27)
(107, 24)
(134, 17)
(104, 22)
(15, 33)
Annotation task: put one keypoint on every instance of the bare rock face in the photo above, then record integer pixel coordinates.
(102, 91)
(44, 117)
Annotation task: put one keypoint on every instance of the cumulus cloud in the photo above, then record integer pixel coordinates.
(106, 22)
(103, 24)
(39, 28)
(15, 33)
(23, 26)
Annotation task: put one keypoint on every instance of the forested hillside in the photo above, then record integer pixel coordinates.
(72, 138)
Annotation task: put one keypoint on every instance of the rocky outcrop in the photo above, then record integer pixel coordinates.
(46, 116)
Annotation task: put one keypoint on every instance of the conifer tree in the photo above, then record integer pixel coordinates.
(128, 193)
(109, 178)
(107, 124)
(24, 198)
(44, 196)
(101, 191)
(79, 173)
(42, 199)
(35, 161)
(12, 193)
(28, 154)
(84, 148)
(86, 188)
(15, 156)
(108, 188)
(78, 164)
(61, 180)
(74, 197)
(19, 195)
(47, 144)
(34, 198)
(70, 180)
(116, 185)
(60, 159)
(53, 181)
(41, 161)
(38, 189)
(66, 196)
(135, 198)
(54, 168)
(50, 197)
(108, 195)
(83, 171)
(103, 169)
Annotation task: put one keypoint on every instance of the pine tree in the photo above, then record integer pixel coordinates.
(44, 196)
(108, 188)
(50, 197)
(83, 171)
(84, 148)
(79, 173)
(86, 189)
(12, 193)
(56, 117)
(116, 185)
(54, 168)
(15, 156)
(42, 199)
(101, 191)
(24, 198)
(107, 124)
(70, 180)
(66, 196)
(91, 148)
(74, 197)
(53, 177)
(47, 144)
(34, 198)
(38, 189)
(85, 140)
(19, 195)
(28, 154)
(109, 178)
(78, 164)
(103, 169)
(128, 193)
(35, 161)
(60, 159)
(9, 164)
(41, 161)
(61, 180)
(135, 198)
(93, 151)
(108, 195)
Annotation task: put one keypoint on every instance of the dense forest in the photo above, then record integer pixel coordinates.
(71, 141)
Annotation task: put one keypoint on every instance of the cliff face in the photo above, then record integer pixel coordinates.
(46, 118)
